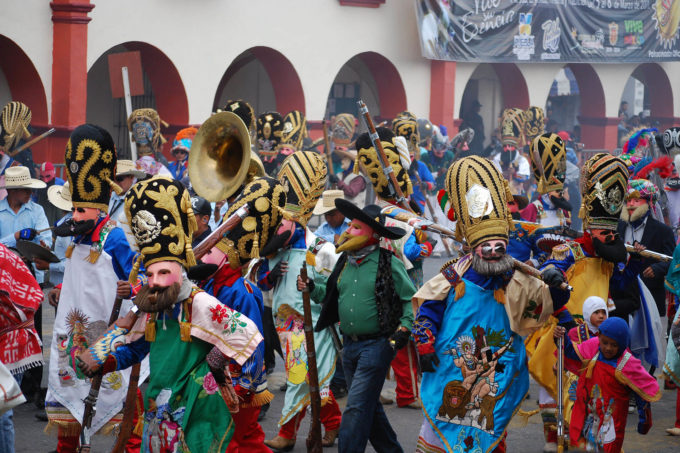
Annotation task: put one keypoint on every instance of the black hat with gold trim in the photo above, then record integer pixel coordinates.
(479, 196)
(243, 110)
(161, 218)
(604, 183)
(368, 156)
(549, 162)
(534, 123)
(90, 162)
(405, 124)
(294, 129)
(343, 127)
(303, 175)
(15, 118)
(512, 127)
(266, 199)
(269, 133)
(145, 127)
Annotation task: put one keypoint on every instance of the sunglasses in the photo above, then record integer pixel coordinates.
(489, 251)
(607, 236)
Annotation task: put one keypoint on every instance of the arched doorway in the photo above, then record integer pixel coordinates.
(160, 76)
(19, 81)
(564, 102)
(647, 98)
(374, 79)
(263, 77)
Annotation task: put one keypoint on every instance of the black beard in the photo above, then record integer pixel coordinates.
(614, 251)
(507, 157)
(492, 267)
(277, 242)
(516, 215)
(201, 271)
(158, 298)
(560, 203)
(73, 228)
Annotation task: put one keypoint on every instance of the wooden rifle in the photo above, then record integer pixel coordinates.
(129, 409)
(429, 205)
(31, 142)
(314, 437)
(656, 256)
(213, 238)
(560, 395)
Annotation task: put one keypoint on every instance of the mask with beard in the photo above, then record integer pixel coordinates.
(158, 298)
(560, 203)
(357, 236)
(490, 267)
(201, 271)
(613, 251)
(73, 228)
(637, 214)
(277, 242)
(507, 157)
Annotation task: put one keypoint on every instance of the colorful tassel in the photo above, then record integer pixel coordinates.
(185, 331)
(460, 290)
(150, 329)
(69, 250)
(499, 295)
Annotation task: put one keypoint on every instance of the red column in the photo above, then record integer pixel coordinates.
(69, 70)
(442, 85)
(599, 133)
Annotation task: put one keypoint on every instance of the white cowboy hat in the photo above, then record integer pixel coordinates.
(60, 196)
(128, 168)
(20, 178)
(327, 201)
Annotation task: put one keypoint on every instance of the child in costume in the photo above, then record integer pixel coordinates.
(594, 314)
(611, 373)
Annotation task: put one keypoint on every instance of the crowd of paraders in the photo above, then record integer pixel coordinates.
(174, 285)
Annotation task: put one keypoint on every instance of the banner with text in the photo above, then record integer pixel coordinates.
(595, 31)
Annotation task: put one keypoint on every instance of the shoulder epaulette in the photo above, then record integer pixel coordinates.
(248, 287)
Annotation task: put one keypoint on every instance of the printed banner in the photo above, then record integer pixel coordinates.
(567, 31)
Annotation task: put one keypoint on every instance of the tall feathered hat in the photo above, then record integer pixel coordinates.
(479, 196)
(534, 123)
(161, 218)
(343, 127)
(269, 133)
(266, 199)
(303, 175)
(145, 127)
(368, 156)
(14, 121)
(604, 182)
(294, 129)
(405, 124)
(548, 162)
(243, 110)
(90, 162)
(512, 127)
(184, 139)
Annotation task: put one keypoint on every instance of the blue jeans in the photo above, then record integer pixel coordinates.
(366, 364)
(7, 426)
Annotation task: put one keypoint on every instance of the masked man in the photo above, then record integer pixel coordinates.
(369, 293)
(513, 164)
(303, 174)
(471, 318)
(188, 335)
(98, 263)
(145, 127)
(269, 138)
(180, 150)
(264, 196)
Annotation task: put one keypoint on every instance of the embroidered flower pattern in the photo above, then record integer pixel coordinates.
(219, 312)
(234, 323)
(210, 384)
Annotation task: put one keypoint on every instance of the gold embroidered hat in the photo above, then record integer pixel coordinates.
(604, 182)
(405, 124)
(534, 123)
(548, 162)
(243, 110)
(303, 175)
(145, 127)
(343, 127)
(512, 127)
(269, 133)
(294, 129)
(14, 121)
(266, 199)
(368, 156)
(479, 196)
(161, 218)
(90, 162)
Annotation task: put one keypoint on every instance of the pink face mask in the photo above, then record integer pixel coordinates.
(164, 273)
(83, 214)
(47, 175)
(215, 256)
(355, 237)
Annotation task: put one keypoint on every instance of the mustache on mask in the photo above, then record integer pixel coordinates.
(73, 228)
(492, 267)
(158, 298)
(560, 203)
(277, 242)
(613, 251)
(349, 243)
(201, 271)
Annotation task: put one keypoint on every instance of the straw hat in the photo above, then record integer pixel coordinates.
(20, 178)
(327, 201)
(128, 168)
(60, 196)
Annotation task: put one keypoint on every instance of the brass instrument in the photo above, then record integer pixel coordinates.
(221, 161)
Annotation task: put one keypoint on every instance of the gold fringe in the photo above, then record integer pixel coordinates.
(185, 331)
(355, 169)
(259, 399)
(525, 416)
(139, 427)
(116, 188)
(69, 250)
(255, 252)
(460, 290)
(589, 369)
(134, 273)
(67, 429)
(93, 256)
(150, 329)
(499, 295)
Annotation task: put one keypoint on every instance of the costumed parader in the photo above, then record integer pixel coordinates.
(225, 264)
(15, 122)
(513, 165)
(303, 176)
(351, 180)
(669, 142)
(534, 125)
(295, 131)
(99, 261)
(269, 136)
(126, 175)
(145, 129)
(369, 293)
(181, 146)
(188, 335)
(244, 111)
(471, 319)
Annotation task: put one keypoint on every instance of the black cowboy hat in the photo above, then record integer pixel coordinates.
(371, 216)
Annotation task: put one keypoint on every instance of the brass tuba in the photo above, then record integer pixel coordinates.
(221, 161)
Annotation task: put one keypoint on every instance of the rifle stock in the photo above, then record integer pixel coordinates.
(314, 437)
(213, 238)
